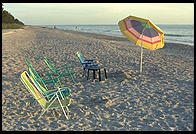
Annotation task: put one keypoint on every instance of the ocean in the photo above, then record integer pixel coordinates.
(183, 34)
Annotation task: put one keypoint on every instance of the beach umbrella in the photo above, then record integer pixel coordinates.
(143, 33)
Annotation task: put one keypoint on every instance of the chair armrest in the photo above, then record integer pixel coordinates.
(92, 65)
(89, 60)
(43, 71)
(63, 67)
(56, 89)
(86, 63)
(53, 93)
(51, 80)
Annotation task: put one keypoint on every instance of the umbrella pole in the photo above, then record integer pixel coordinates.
(142, 51)
(141, 59)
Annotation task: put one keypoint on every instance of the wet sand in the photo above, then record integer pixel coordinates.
(162, 99)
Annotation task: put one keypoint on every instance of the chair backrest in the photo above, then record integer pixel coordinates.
(50, 65)
(36, 75)
(81, 58)
(29, 84)
(34, 79)
(30, 66)
(28, 62)
(42, 89)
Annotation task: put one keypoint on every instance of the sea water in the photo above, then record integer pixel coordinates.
(183, 34)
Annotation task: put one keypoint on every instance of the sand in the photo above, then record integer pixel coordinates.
(161, 99)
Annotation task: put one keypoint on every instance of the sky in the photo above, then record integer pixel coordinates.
(99, 13)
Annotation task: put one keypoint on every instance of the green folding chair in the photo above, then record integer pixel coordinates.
(56, 71)
(49, 81)
(44, 73)
(56, 82)
(48, 99)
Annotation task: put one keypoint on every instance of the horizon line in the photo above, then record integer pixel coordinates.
(103, 24)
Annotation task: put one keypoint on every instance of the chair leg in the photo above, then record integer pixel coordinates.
(41, 114)
(71, 75)
(84, 71)
(60, 93)
(62, 107)
(67, 109)
(58, 80)
(46, 108)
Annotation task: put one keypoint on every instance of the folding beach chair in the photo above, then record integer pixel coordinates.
(90, 65)
(48, 99)
(49, 81)
(31, 66)
(56, 71)
(86, 63)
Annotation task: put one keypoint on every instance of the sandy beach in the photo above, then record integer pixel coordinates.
(162, 99)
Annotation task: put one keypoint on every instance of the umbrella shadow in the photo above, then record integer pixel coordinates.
(92, 102)
(154, 73)
(117, 76)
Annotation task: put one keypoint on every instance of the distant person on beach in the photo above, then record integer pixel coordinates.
(54, 27)
(76, 28)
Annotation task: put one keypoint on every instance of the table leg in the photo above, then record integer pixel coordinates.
(88, 74)
(105, 73)
(83, 71)
(99, 75)
(93, 73)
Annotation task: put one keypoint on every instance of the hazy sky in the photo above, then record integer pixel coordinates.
(100, 13)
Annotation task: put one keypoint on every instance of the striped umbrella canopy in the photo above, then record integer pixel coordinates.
(143, 33)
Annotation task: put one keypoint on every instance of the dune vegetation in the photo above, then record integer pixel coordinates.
(9, 21)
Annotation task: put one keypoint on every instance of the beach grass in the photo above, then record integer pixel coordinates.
(11, 26)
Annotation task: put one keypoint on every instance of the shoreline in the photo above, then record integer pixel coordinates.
(100, 35)
(162, 99)
(121, 37)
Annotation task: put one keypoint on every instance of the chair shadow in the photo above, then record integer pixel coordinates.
(116, 76)
(91, 102)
